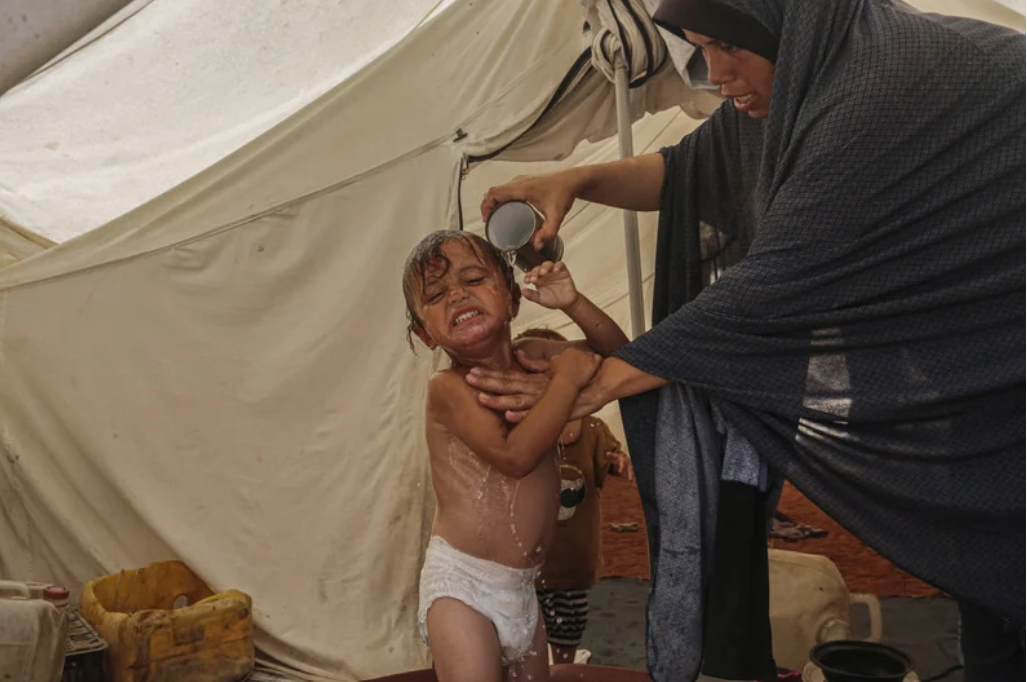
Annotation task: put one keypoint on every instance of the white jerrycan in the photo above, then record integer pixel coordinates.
(809, 605)
(33, 634)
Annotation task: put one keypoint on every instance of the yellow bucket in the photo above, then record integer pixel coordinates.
(163, 623)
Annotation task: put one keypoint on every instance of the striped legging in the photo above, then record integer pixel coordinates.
(565, 613)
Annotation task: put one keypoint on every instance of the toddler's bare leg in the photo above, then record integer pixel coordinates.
(535, 666)
(464, 644)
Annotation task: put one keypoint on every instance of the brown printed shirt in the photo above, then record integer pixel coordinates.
(574, 560)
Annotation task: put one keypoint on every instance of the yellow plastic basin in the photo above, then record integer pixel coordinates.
(163, 624)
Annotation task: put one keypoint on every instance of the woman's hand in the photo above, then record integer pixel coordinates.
(511, 392)
(554, 287)
(553, 195)
(514, 393)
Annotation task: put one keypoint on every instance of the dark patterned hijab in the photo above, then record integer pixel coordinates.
(870, 343)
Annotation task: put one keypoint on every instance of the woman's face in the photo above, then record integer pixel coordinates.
(744, 76)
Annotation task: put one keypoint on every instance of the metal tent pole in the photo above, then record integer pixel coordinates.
(631, 245)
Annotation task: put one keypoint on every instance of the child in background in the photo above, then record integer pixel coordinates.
(496, 485)
(586, 452)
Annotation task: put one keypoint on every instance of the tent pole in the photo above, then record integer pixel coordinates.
(631, 246)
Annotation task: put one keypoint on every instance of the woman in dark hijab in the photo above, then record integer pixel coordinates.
(839, 294)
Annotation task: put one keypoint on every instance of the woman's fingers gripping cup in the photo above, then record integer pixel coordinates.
(551, 195)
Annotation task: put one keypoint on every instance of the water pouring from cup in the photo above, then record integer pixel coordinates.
(511, 227)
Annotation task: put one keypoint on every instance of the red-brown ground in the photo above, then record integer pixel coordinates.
(864, 570)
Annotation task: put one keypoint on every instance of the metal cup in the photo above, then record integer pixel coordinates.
(511, 228)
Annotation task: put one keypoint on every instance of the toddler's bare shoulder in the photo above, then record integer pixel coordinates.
(448, 384)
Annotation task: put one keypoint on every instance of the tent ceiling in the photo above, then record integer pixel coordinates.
(219, 371)
(171, 91)
(150, 100)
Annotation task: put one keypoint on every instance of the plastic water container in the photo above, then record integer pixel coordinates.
(21, 590)
(810, 605)
(33, 634)
(163, 623)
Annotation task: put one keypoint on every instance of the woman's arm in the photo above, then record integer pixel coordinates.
(515, 392)
(634, 183)
(615, 379)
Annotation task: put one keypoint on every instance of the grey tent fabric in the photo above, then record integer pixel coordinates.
(870, 345)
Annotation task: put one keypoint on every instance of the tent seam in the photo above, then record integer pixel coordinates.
(370, 172)
(8, 450)
(67, 52)
(414, 153)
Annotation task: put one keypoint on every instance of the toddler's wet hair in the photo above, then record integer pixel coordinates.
(428, 252)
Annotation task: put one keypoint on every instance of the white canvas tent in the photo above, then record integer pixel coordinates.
(204, 209)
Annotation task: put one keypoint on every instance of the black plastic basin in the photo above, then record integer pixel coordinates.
(854, 661)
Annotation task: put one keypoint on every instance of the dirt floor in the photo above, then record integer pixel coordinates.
(625, 553)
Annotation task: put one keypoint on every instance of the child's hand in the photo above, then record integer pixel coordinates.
(554, 287)
(620, 464)
(576, 364)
